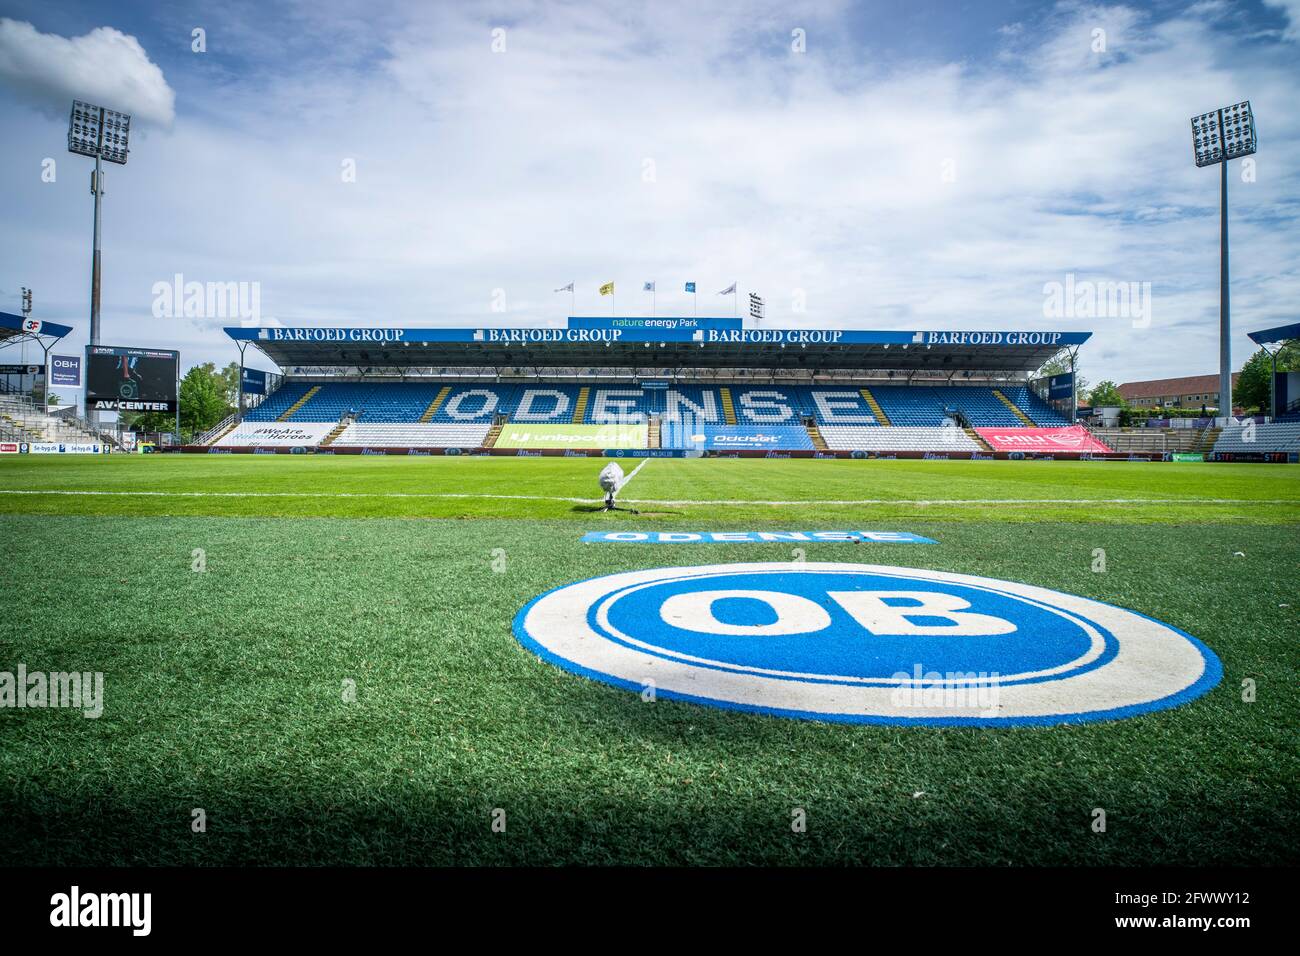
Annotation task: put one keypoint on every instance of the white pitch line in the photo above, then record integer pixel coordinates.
(922, 502)
(287, 494)
(977, 501)
(628, 480)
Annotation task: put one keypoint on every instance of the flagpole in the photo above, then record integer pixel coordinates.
(696, 296)
(573, 300)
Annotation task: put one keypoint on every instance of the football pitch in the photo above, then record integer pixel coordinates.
(315, 655)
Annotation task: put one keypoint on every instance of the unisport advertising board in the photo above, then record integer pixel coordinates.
(572, 436)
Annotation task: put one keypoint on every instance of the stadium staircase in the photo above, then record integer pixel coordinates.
(974, 436)
(652, 432)
(494, 432)
(874, 406)
(335, 432)
(1015, 409)
(728, 406)
(815, 434)
(436, 404)
(218, 431)
(580, 406)
(1205, 443)
(288, 412)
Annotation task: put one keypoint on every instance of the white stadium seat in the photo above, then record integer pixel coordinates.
(1274, 437)
(412, 435)
(878, 438)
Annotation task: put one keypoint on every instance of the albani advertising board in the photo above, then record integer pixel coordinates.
(131, 379)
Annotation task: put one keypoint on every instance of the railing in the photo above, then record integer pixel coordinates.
(216, 429)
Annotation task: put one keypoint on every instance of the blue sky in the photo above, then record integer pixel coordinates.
(916, 165)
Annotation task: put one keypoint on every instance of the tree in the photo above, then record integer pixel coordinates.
(1252, 389)
(203, 399)
(1106, 394)
(148, 421)
(230, 383)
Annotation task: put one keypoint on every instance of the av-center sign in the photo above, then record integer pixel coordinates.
(122, 378)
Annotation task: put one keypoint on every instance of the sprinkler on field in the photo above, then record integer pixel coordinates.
(611, 479)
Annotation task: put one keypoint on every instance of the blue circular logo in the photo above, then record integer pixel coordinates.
(867, 644)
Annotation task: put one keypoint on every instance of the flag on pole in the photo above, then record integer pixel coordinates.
(607, 289)
(690, 287)
(573, 296)
(729, 290)
(648, 287)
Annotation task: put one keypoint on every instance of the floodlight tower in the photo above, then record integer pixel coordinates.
(102, 134)
(1218, 136)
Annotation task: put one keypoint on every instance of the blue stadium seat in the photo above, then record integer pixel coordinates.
(695, 406)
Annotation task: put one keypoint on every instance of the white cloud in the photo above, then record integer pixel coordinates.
(105, 67)
(1292, 10)
(818, 174)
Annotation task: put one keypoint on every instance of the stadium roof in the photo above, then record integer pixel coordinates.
(15, 329)
(644, 342)
(1279, 334)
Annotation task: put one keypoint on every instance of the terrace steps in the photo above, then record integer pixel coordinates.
(1015, 409)
(334, 433)
(288, 412)
(1205, 442)
(436, 403)
(580, 406)
(728, 406)
(881, 417)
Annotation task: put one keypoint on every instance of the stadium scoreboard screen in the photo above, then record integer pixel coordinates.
(131, 379)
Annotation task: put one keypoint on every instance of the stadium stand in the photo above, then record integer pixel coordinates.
(711, 417)
(897, 438)
(23, 421)
(1151, 439)
(930, 405)
(1273, 437)
(451, 403)
(279, 402)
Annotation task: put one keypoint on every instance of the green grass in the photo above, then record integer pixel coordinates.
(224, 688)
(807, 490)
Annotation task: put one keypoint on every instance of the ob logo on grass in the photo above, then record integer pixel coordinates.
(867, 644)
